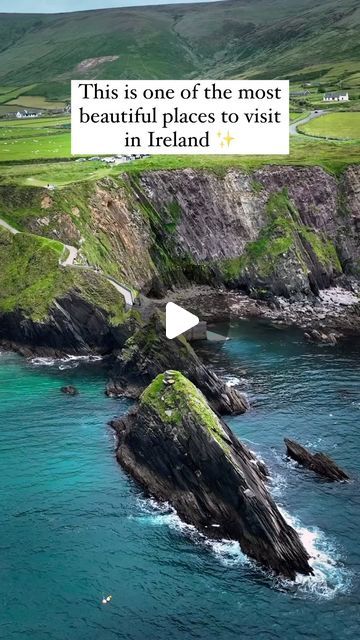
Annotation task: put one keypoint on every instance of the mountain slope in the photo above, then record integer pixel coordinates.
(252, 38)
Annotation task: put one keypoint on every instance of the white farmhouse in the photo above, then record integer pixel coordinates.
(336, 96)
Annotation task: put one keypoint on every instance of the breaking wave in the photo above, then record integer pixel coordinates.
(330, 577)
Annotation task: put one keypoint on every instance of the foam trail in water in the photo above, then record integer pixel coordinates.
(228, 552)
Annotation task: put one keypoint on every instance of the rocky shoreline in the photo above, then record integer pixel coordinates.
(335, 310)
(327, 318)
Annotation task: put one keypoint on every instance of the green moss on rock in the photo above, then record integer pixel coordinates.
(99, 292)
(324, 249)
(172, 396)
(278, 238)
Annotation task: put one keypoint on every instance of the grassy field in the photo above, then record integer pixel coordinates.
(32, 148)
(12, 93)
(36, 122)
(298, 115)
(57, 173)
(333, 156)
(36, 102)
(34, 139)
(341, 126)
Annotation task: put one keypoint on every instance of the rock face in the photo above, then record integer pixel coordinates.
(74, 325)
(175, 446)
(315, 336)
(318, 462)
(284, 230)
(148, 353)
(277, 231)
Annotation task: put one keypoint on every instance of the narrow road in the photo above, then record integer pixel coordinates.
(70, 260)
(311, 116)
(8, 227)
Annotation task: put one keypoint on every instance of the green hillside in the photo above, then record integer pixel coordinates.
(302, 40)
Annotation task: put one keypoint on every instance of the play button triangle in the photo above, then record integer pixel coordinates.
(178, 320)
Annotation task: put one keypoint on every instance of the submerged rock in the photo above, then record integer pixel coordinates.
(177, 448)
(318, 462)
(69, 390)
(316, 336)
(148, 352)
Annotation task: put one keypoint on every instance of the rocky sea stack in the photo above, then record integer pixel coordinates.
(178, 449)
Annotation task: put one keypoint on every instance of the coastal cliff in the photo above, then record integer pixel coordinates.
(286, 230)
(46, 308)
(275, 231)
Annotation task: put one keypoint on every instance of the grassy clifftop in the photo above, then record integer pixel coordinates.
(31, 279)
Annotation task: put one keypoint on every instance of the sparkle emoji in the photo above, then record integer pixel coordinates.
(228, 139)
(225, 140)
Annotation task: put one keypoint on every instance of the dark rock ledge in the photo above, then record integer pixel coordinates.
(177, 448)
(148, 352)
(317, 462)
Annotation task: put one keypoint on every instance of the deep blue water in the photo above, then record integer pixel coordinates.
(74, 529)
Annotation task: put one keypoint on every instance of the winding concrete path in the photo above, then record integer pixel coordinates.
(311, 116)
(8, 227)
(69, 261)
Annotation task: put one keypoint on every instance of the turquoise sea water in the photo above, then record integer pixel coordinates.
(74, 528)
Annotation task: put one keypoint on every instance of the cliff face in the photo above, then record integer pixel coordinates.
(50, 308)
(285, 229)
(277, 230)
(73, 325)
(148, 353)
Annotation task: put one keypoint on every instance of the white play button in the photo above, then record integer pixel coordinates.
(178, 320)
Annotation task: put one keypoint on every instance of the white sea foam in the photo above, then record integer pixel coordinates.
(232, 381)
(330, 577)
(278, 483)
(67, 362)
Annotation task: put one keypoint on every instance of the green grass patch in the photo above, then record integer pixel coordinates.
(98, 291)
(36, 102)
(56, 173)
(13, 93)
(30, 277)
(339, 125)
(331, 155)
(23, 148)
(298, 115)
